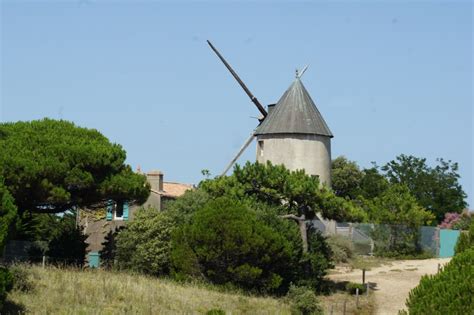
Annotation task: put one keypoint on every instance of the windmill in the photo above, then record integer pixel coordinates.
(292, 132)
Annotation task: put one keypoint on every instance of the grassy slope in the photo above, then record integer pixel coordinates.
(68, 291)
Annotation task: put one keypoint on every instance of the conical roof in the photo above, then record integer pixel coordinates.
(296, 113)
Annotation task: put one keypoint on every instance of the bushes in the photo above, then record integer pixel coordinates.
(8, 213)
(466, 240)
(352, 287)
(144, 246)
(6, 283)
(304, 301)
(448, 292)
(226, 244)
(341, 248)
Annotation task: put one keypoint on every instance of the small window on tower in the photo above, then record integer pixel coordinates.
(260, 147)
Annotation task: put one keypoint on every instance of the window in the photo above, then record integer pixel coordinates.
(118, 215)
(117, 211)
(260, 147)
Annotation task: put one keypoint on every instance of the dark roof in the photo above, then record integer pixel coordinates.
(295, 112)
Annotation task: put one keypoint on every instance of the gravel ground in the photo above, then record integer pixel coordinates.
(392, 283)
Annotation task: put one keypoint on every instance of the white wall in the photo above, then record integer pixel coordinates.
(309, 152)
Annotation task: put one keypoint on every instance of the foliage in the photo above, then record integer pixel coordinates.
(352, 287)
(51, 166)
(8, 214)
(304, 300)
(373, 183)
(52, 235)
(456, 221)
(6, 284)
(21, 278)
(397, 206)
(449, 291)
(346, 178)
(294, 192)
(398, 217)
(109, 249)
(450, 218)
(229, 245)
(465, 241)
(182, 208)
(436, 189)
(464, 221)
(350, 182)
(68, 247)
(144, 245)
(341, 247)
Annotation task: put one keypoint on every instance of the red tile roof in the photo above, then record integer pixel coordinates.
(175, 190)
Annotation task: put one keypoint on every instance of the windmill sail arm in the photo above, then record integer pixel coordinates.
(242, 84)
(241, 150)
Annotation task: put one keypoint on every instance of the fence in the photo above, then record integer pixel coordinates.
(391, 240)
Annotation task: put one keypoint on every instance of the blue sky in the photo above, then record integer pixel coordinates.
(388, 77)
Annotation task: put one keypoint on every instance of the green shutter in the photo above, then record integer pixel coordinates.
(110, 208)
(125, 211)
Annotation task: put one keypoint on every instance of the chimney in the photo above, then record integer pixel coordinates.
(155, 178)
(270, 108)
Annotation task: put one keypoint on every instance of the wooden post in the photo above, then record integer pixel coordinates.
(44, 261)
(363, 276)
(357, 297)
(344, 308)
(368, 288)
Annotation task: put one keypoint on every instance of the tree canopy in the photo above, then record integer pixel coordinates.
(436, 188)
(346, 178)
(51, 166)
(295, 192)
(8, 212)
(298, 196)
(397, 206)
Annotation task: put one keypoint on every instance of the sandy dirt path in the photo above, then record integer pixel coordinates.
(392, 282)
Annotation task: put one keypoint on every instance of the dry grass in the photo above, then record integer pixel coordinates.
(334, 304)
(368, 262)
(72, 291)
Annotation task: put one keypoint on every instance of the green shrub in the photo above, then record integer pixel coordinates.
(448, 292)
(226, 243)
(144, 245)
(304, 301)
(21, 278)
(466, 240)
(8, 213)
(6, 284)
(352, 287)
(341, 248)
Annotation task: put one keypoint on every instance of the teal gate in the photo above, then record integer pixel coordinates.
(447, 242)
(94, 260)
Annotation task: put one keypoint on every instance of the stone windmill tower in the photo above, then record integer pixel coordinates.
(292, 132)
(295, 134)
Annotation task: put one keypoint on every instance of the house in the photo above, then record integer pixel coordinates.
(99, 226)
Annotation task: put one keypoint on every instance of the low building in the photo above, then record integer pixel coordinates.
(100, 225)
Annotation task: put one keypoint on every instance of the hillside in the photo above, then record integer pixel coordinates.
(70, 291)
